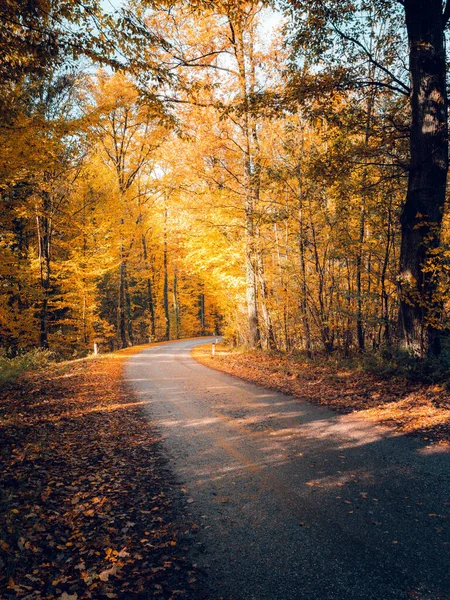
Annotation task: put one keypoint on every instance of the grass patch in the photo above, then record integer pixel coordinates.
(12, 368)
(400, 364)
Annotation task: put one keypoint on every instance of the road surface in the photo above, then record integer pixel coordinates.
(294, 501)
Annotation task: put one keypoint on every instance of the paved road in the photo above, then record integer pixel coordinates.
(292, 500)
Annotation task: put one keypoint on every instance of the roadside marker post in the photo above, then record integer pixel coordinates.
(213, 349)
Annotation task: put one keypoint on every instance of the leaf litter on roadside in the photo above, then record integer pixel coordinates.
(86, 496)
(421, 409)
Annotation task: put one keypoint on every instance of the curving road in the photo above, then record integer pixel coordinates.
(294, 501)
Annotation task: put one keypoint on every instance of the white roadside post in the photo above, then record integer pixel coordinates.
(213, 349)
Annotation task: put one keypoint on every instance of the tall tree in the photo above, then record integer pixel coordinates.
(130, 131)
(342, 29)
(421, 219)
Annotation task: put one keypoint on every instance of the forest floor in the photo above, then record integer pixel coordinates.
(88, 505)
(410, 408)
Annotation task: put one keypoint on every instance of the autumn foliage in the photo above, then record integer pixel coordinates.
(87, 505)
(215, 182)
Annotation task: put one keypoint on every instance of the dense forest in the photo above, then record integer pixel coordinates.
(275, 172)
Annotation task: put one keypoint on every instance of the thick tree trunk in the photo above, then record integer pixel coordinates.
(252, 303)
(251, 176)
(420, 309)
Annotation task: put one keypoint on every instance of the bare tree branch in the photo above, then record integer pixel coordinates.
(406, 89)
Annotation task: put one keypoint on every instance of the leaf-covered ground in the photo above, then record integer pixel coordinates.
(409, 408)
(87, 506)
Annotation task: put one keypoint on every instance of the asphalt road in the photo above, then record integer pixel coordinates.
(294, 501)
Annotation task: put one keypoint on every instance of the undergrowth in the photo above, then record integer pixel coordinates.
(385, 363)
(400, 364)
(11, 368)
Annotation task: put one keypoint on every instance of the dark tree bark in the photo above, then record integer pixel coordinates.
(302, 243)
(128, 309)
(44, 234)
(201, 312)
(360, 329)
(122, 328)
(420, 310)
(384, 293)
(176, 306)
(150, 300)
(166, 282)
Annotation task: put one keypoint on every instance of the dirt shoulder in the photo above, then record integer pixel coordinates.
(409, 408)
(88, 509)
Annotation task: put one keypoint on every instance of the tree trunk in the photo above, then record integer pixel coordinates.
(269, 336)
(251, 176)
(128, 309)
(323, 311)
(360, 330)
(283, 326)
(44, 234)
(384, 293)
(176, 306)
(302, 233)
(252, 306)
(150, 301)
(201, 312)
(348, 326)
(121, 307)
(166, 282)
(420, 309)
